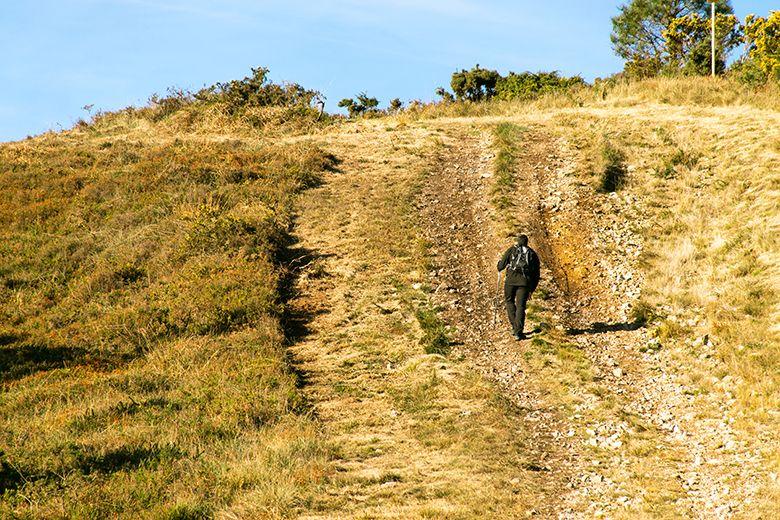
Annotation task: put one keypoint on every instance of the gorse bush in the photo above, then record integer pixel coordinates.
(688, 43)
(257, 91)
(763, 38)
(477, 84)
(480, 84)
(361, 105)
(528, 85)
(255, 100)
(395, 105)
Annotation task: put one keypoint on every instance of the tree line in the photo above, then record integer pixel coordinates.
(654, 38)
(673, 37)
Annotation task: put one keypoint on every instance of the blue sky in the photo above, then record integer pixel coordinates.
(59, 55)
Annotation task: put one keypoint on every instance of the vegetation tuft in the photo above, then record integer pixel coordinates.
(507, 136)
(435, 339)
(614, 174)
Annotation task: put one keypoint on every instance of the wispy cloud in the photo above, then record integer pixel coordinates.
(381, 10)
(203, 9)
(355, 10)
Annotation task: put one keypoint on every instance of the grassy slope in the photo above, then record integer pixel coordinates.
(703, 158)
(709, 180)
(141, 353)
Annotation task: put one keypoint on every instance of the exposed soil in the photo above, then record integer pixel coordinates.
(629, 437)
(460, 223)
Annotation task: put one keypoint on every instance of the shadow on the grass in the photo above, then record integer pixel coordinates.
(297, 317)
(21, 357)
(600, 327)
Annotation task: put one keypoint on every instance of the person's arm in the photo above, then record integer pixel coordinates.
(504, 260)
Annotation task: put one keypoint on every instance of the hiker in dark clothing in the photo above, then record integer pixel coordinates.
(522, 276)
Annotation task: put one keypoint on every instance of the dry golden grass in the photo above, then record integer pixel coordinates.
(144, 361)
(708, 179)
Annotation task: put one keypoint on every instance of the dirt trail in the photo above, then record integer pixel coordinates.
(631, 401)
(460, 222)
(605, 425)
(414, 434)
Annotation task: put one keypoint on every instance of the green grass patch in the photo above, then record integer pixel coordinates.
(435, 339)
(507, 136)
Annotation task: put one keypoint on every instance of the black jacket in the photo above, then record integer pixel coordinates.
(517, 279)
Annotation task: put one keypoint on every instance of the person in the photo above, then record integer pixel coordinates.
(522, 276)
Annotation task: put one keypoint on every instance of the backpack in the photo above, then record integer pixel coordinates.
(520, 261)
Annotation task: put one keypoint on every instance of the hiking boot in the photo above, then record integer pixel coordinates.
(519, 336)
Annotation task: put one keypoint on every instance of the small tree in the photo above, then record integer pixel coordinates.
(395, 105)
(638, 31)
(349, 104)
(368, 104)
(362, 105)
(476, 84)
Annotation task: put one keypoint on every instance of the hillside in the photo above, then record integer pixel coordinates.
(282, 315)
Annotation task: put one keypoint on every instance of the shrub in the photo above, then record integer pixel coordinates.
(395, 105)
(445, 95)
(763, 37)
(257, 91)
(476, 84)
(480, 84)
(361, 105)
(236, 98)
(528, 85)
(170, 104)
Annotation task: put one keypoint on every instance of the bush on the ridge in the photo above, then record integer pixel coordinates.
(361, 105)
(477, 84)
(480, 84)
(257, 91)
(763, 38)
(395, 105)
(528, 84)
(239, 97)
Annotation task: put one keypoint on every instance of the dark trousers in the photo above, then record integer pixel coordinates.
(515, 298)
